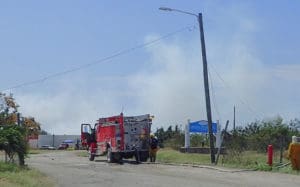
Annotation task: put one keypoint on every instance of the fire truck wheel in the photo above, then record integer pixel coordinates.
(117, 157)
(109, 156)
(137, 158)
(91, 157)
(144, 156)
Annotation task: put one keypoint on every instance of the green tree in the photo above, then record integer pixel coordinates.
(170, 138)
(12, 141)
(197, 140)
(12, 137)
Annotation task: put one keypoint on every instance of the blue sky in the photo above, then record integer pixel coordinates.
(253, 52)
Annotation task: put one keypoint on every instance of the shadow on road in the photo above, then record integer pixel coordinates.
(129, 162)
(132, 162)
(100, 160)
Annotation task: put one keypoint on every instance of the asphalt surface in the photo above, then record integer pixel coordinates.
(70, 170)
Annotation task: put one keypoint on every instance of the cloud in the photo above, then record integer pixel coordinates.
(287, 72)
(258, 89)
(170, 86)
(172, 89)
(70, 103)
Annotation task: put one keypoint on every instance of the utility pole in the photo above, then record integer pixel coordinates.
(234, 118)
(206, 88)
(205, 74)
(19, 119)
(222, 138)
(53, 136)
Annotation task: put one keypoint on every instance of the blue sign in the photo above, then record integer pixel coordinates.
(68, 141)
(201, 127)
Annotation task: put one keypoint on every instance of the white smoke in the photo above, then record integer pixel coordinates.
(170, 86)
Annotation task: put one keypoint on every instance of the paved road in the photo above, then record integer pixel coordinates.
(68, 169)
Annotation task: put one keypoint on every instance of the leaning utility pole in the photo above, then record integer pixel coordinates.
(205, 74)
(233, 118)
(206, 88)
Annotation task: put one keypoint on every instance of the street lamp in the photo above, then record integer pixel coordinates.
(205, 75)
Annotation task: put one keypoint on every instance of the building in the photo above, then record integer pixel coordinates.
(55, 140)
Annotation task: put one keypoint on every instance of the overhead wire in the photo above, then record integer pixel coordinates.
(242, 101)
(105, 59)
(129, 50)
(213, 94)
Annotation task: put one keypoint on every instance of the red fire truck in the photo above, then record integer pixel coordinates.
(118, 137)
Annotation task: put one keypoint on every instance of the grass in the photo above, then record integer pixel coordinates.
(41, 151)
(167, 155)
(12, 175)
(82, 153)
(247, 160)
(288, 169)
(35, 151)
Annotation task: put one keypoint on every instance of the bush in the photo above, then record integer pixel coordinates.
(12, 141)
(176, 142)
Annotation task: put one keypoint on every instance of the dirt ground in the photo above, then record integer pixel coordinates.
(68, 169)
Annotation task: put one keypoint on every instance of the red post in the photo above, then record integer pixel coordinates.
(270, 155)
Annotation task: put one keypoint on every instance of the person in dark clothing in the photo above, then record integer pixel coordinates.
(153, 148)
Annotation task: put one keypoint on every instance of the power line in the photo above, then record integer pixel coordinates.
(229, 87)
(213, 95)
(243, 101)
(105, 59)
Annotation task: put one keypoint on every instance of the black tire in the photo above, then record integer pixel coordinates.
(144, 159)
(137, 160)
(137, 157)
(110, 158)
(117, 157)
(144, 155)
(91, 156)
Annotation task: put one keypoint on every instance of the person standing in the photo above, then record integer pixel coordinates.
(294, 153)
(153, 148)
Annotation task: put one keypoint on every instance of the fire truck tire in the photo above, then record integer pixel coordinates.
(110, 158)
(91, 157)
(144, 156)
(137, 157)
(117, 157)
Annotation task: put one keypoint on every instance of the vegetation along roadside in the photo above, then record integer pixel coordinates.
(12, 175)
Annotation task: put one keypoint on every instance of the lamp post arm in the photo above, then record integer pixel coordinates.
(184, 12)
(176, 10)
